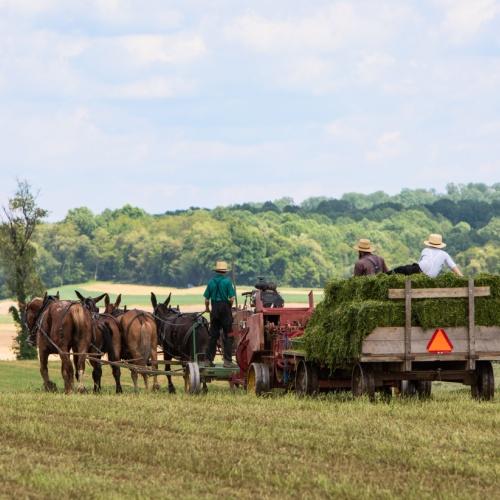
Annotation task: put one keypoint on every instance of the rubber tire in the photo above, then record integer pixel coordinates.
(483, 387)
(258, 380)
(192, 380)
(363, 381)
(306, 379)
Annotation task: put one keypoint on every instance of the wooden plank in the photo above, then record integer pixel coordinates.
(408, 297)
(472, 327)
(439, 293)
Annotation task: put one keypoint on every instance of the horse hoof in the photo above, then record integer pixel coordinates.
(82, 390)
(171, 389)
(119, 390)
(156, 387)
(50, 387)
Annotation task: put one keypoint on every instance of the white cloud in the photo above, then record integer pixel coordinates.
(465, 18)
(150, 88)
(388, 145)
(154, 49)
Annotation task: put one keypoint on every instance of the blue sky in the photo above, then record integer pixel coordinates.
(171, 104)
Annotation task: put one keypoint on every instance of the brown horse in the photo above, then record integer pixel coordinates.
(139, 343)
(62, 326)
(107, 340)
(183, 336)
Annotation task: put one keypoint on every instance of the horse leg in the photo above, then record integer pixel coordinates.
(133, 374)
(67, 373)
(80, 370)
(48, 385)
(96, 374)
(154, 366)
(75, 362)
(171, 387)
(114, 355)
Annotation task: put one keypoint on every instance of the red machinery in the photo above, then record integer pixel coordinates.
(262, 334)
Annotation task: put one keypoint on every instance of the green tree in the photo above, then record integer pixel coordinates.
(17, 256)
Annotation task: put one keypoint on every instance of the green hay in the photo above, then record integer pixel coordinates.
(353, 308)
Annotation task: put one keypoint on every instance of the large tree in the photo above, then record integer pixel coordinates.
(17, 255)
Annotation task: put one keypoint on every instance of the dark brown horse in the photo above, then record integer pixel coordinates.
(106, 340)
(61, 326)
(183, 336)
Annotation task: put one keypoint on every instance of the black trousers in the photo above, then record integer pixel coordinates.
(221, 319)
(407, 269)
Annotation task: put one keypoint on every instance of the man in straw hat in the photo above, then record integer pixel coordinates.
(368, 262)
(433, 258)
(220, 293)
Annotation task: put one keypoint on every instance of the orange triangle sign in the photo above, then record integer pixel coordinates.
(439, 342)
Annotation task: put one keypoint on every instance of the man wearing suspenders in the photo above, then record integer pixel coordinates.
(368, 263)
(220, 294)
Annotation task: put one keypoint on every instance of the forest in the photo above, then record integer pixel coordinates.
(301, 245)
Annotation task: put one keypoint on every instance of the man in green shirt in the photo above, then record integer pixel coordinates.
(220, 293)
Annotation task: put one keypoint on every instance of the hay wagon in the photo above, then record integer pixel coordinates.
(407, 358)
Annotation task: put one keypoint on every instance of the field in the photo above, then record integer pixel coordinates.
(233, 445)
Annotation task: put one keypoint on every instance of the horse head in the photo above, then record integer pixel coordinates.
(36, 306)
(112, 309)
(163, 308)
(90, 303)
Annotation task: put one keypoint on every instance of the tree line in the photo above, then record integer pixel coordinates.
(296, 245)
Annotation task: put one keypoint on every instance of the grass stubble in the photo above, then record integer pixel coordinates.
(233, 445)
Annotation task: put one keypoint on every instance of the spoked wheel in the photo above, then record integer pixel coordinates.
(192, 381)
(363, 381)
(483, 385)
(306, 379)
(258, 381)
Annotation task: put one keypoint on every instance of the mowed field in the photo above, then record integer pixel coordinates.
(233, 445)
(138, 296)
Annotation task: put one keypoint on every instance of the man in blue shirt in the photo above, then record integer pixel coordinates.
(220, 294)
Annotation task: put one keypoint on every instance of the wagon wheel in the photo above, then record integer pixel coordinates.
(258, 381)
(483, 385)
(407, 388)
(363, 381)
(306, 379)
(192, 381)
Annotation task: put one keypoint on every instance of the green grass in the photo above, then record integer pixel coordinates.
(237, 446)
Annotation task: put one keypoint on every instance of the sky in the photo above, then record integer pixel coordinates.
(171, 104)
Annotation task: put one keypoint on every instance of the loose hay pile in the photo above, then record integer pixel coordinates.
(352, 308)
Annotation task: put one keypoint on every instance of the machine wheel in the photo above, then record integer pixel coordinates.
(483, 386)
(192, 381)
(363, 381)
(306, 379)
(258, 381)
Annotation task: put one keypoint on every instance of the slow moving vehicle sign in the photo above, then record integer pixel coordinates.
(439, 343)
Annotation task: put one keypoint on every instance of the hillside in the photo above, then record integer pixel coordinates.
(295, 245)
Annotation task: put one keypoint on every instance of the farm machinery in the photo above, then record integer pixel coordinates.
(407, 358)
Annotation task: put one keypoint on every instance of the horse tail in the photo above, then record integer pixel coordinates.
(107, 341)
(77, 314)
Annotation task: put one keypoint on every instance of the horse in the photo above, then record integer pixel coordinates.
(178, 333)
(106, 340)
(61, 326)
(139, 343)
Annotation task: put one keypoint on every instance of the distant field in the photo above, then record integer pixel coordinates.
(139, 295)
(225, 445)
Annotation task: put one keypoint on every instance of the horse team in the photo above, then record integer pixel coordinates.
(128, 337)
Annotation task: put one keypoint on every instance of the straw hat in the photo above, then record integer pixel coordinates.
(364, 245)
(220, 266)
(435, 241)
